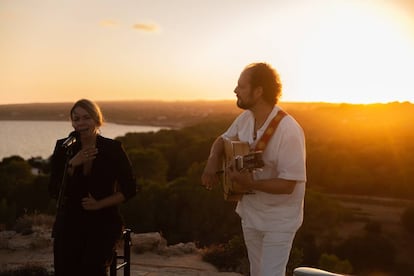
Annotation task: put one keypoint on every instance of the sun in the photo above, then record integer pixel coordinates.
(356, 53)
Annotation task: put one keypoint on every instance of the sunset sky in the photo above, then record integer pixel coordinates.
(356, 51)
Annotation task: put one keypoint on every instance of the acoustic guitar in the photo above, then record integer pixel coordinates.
(238, 156)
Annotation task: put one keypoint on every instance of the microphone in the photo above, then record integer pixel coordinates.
(72, 138)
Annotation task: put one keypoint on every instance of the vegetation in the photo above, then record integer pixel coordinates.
(27, 270)
(173, 114)
(407, 219)
(230, 256)
(352, 150)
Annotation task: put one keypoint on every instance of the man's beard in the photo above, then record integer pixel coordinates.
(246, 104)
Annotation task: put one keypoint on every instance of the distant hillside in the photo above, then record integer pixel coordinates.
(184, 113)
(174, 114)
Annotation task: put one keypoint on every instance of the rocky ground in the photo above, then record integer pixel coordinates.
(150, 255)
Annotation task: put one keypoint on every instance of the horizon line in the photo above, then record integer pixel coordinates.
(202, 100)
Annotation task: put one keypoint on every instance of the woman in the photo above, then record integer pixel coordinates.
(96, 177)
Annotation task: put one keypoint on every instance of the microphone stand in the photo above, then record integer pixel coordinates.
(58, 246)
(60, 204)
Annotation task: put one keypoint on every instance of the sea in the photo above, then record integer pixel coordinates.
(29, 139)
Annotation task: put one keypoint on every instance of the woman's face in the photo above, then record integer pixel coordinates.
(83, 122)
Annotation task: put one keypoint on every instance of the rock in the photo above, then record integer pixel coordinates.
(180, 249)
(19, 242)
(5, 237)
(179, 259)
(155, 243)
(144, 242)
(16, 241)
(7, 234)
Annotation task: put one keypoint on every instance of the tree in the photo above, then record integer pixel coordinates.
(14, 171)
(7, 213)
(141, 212)
(149, 164)
(15, 177)
(369, 252)
(34, 196)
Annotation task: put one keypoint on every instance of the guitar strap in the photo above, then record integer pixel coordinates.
(271, 128)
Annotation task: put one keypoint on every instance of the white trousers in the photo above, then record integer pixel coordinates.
(268, 252)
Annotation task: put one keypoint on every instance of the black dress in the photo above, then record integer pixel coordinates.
(84, 240)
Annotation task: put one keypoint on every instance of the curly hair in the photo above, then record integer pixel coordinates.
(265, 76)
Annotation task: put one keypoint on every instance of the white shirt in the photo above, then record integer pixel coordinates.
(284, 157)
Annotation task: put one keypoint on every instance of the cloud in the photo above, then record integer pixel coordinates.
(145, 27)
(108, 23)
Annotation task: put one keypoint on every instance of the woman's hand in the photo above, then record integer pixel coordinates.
(83, 156)
(90, 203)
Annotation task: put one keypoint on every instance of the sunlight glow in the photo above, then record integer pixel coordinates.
(357, 55)
(354, 51)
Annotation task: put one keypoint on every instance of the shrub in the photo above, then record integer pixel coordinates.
(27, 270)
(295, 259)
(216, 255)
(407, 219)
(368, 252)
(25, 223)
(334, 264)
(7, 212)
(228, 257)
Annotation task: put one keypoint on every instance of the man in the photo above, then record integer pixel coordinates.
(272, 214)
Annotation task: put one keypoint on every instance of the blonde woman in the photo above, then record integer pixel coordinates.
(93, 176)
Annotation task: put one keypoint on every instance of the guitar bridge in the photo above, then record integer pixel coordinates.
(250, 161)
(238, 163)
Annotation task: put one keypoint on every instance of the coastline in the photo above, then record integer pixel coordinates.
(149, 113)
(116, 122)
(37, 138)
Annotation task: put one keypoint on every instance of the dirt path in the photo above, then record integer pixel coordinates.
(190, 264)
(148, 264)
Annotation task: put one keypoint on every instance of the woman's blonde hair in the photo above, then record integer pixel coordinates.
(92, 108)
